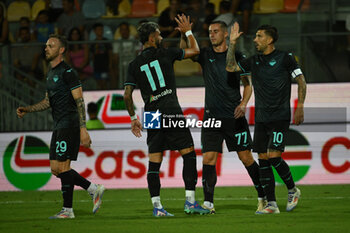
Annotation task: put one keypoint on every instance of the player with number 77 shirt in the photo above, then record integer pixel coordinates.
(153, 72)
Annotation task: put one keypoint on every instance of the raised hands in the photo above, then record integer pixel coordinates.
(235, 34)
(183, 23)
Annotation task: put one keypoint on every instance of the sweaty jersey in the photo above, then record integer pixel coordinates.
(153, 72)
(271, 76)
(61, 80)
(222, 88)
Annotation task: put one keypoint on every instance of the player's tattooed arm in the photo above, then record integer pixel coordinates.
(299, 112)
(129, 103)
(231, 63)
(247, 83)
(81, 110)
(77, 94)
(247, 92)
(136, 126)
(301, 88)
(41, 106)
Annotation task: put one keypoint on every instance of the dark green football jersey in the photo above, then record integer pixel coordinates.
(222, 88)
(271, 76)
(153, 72)
(61, 80)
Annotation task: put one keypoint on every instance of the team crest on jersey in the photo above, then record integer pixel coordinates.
(55, 78)
(272, 62)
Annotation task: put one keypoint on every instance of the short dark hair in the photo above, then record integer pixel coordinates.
(70, 1)
(225, 5)
(62, 40)
(270, 30)
(210, 6)
(223, 25)
(124, 23)
(25, 18)
(24, 29)
(43, 12)
(96, 25)
(145, 29)
(92, 107)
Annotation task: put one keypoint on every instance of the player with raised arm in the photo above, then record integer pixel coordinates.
(64, 96)
(153, 72)
(223, 101)
(272, 71)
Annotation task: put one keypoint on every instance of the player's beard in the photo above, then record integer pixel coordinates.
(159, 44)
(217, 42)
(51, 57)
(259, 48)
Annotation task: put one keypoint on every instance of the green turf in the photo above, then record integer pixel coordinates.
(321, 209)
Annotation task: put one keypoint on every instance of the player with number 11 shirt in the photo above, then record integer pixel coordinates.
(153, 72)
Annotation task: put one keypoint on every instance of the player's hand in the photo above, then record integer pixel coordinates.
(21, 111)
(235, 34)
(299, 115)
(183, 23)
(240, 110)
(136, 128)
(85, 139)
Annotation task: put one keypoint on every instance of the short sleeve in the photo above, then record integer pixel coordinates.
(130, 79)
(245, 64)
(200, 57)
(175, 54)
(240, 57)
(71, 78)
(292, 65)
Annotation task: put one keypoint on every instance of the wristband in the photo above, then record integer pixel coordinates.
(188, 33)
(134, 117)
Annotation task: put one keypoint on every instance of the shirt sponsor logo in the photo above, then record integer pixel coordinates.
(163, 93)
(212, 60)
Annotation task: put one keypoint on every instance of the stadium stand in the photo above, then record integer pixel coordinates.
(143, 8)
(18, 9)
(268, 6)
(93, 9)
(107, 33)
(291, 6)
(38, 6)
(133, 32)
(161, 6)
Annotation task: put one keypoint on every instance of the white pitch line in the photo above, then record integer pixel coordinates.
(169, 199)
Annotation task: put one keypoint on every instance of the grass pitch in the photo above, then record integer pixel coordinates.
(321, 209)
